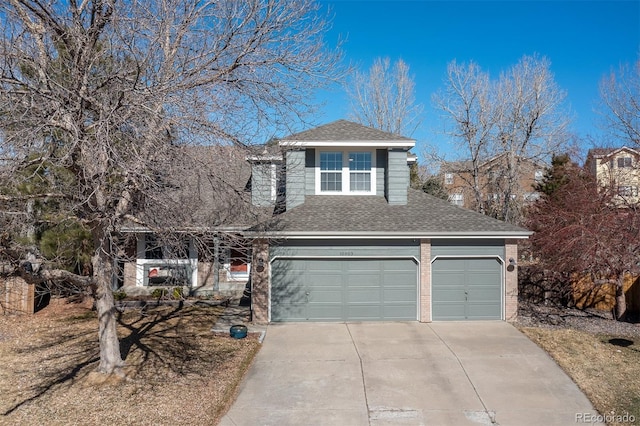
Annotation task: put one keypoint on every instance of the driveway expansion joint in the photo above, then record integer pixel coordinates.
(364, 385)
(491, 415)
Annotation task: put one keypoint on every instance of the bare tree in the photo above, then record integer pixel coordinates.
(519, 118)
(99, 98)
(620, 96)
(532, 126)
(384, 98)
(471, 113)
(580, 231)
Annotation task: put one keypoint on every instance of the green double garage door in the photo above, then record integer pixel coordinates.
(339, 289)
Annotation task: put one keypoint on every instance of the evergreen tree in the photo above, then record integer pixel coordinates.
(555, 176)
(433, 186)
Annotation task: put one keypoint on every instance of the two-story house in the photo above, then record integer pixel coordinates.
(617, 169)
(348, 240)
(355, 243)
(492, 182)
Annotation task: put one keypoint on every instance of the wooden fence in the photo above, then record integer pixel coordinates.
(16, 296)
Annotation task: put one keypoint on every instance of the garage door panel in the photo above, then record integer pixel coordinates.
(364, 265)
(406, 295)
(449, 278)
(445, 265)
(325, 295)
(364, 295)
(449, 311)
(483, 311)
(320, 265)
(466, 288)
(324, 312)
(398, 278)
(393, 312)
(289, 312)
(344, 289)
(482, 278)
(477, 265)
(316, 279)
(288, 292)
(364, 312)
(397, 265)
(484, 293)
(449, 293)
(366, 279)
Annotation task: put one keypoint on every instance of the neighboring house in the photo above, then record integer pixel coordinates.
(617, 169)
(348, 240)
(457, 179)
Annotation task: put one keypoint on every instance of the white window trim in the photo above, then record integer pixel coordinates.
(274, 182)
(457, 199)
(141, 261)
(236, 276)
(345, 172)
(448, 178)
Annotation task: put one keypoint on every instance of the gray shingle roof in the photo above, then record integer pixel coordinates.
(206, 187)
(343, 130)
(423, 215)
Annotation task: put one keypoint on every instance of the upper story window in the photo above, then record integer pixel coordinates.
(346, 172)
(360, 171)
(624, 162)
(448, 178)
(539, 175)
(628, 191)
(456, 199)
(331, 171)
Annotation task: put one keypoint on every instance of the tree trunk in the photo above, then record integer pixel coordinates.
(110, 357)
(621, 300)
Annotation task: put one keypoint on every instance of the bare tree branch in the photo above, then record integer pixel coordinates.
(100, 99)
(384, 98)
(620, 97)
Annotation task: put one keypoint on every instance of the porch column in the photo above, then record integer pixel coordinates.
(260, 281)
(511, 281)
(425, 280)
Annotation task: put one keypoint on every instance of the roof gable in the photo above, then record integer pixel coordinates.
(604, 153)
(346, 133)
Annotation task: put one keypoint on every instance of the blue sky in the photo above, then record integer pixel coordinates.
(583, 40)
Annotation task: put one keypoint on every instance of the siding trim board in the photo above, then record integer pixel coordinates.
(294, 235)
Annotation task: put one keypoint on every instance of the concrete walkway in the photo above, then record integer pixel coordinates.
(404, 373)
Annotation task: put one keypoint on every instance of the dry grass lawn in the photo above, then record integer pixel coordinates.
(605, 367)
(179, 372)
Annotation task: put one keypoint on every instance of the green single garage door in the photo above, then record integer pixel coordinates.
(466, 289)
(343, 289)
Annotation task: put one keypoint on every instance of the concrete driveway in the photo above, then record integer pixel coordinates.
(408, 373)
